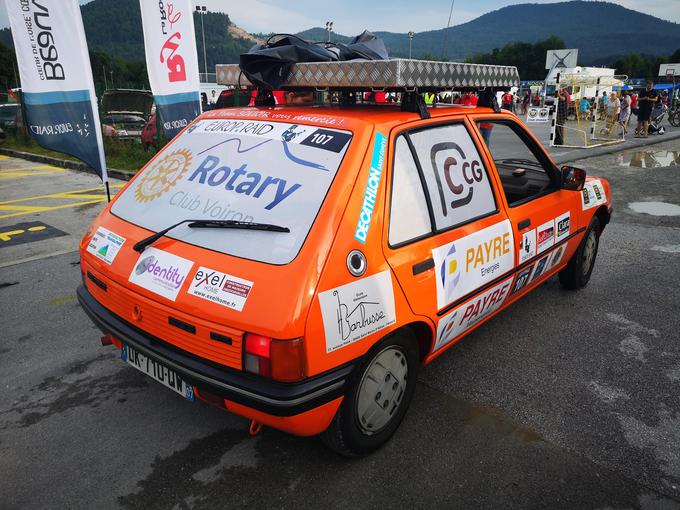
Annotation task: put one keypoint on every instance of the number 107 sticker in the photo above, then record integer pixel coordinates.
(326, 139)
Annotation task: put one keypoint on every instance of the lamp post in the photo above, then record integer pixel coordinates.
(410, 40)
(446, 32)
(329, 29)
(202, 11)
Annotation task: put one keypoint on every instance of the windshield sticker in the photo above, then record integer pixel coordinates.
(163, 175)
(468, 263)
(105, 245)
(325, 139)
(221, 288)
(354, 311)
(160, 272)
(467, 315)
(216, 175)
(372, 186)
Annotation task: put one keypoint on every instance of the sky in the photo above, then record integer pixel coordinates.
(351, 17)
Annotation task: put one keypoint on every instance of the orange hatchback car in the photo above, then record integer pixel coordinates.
(297, 265)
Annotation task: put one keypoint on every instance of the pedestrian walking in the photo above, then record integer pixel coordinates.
(525, 101)
(613, 110)
(624, 114)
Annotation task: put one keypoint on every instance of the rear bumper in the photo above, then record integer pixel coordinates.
(264, 396)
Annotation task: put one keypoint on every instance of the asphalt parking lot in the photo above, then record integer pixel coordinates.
(566, 400)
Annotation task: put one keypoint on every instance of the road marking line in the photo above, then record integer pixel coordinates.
(47, 209)
(39, 167)
(7, 175)
(57, 195)
(84, 198)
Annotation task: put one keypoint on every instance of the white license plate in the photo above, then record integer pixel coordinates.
(157, 371)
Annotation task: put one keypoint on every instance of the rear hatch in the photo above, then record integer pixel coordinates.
(201, 289)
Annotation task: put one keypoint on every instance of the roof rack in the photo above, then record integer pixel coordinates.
(410, 77)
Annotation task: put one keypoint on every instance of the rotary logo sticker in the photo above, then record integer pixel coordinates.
(163, 175)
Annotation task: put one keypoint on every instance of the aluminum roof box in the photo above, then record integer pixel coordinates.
(393, 74)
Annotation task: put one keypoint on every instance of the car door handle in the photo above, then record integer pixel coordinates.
(423, 266)
(524, 224)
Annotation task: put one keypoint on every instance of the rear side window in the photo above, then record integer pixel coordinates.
(456, 180)
(409, 217)
(242, 170)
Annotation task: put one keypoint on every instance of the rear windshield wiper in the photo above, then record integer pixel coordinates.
(245, 225)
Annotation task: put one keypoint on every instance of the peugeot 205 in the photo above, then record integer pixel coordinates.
(297, 265)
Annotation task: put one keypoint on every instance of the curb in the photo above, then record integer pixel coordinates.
(633, 143)
(62, 163)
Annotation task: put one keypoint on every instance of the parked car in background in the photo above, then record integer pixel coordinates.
(124, 113)
(8, 115)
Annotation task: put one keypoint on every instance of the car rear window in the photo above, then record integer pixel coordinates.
(243, 170)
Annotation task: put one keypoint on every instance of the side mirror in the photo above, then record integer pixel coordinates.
(573, 178)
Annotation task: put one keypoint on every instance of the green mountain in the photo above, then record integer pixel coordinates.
(597, 29)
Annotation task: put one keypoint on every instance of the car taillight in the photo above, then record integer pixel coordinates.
(281, 360)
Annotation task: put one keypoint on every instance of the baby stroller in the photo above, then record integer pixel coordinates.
(658, 114)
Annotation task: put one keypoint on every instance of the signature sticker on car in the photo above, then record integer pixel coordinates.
(358, 309)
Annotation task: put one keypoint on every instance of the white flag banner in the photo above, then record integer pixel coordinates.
(60, 104)
(172, 61)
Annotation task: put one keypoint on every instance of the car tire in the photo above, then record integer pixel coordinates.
(577, 272)
(380, 392)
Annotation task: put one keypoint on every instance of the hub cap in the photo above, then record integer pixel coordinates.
(381, 390)
(589, 253)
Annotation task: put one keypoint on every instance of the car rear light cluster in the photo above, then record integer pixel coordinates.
(281, 360)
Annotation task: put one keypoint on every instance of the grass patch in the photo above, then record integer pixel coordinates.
(121, 155)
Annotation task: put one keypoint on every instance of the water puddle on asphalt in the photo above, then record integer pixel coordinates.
(649, 158)
(655, 208)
